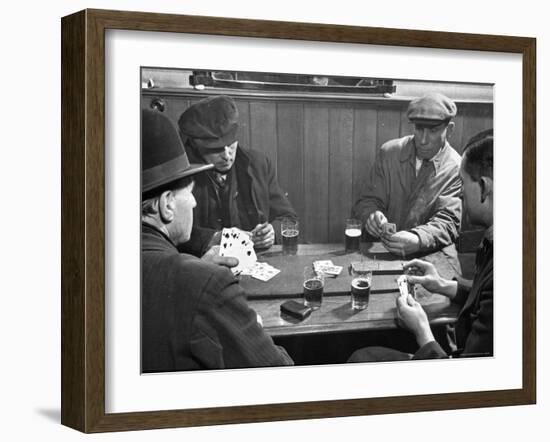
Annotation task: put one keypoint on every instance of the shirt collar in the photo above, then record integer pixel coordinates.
(409, 154)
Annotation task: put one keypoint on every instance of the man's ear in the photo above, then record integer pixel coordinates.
(486, 185)
(450, 128)
(167, 206)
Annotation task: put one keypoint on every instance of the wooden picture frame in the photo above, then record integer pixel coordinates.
(83, 220)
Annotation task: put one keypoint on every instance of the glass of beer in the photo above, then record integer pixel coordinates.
(361, 280)
(353, 235)
(314, 283)
(289, 233)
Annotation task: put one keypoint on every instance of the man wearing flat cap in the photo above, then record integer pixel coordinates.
(194, 313)
(242, 189)
(415, 184)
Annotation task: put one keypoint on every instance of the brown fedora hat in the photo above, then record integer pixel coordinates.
(163, 158)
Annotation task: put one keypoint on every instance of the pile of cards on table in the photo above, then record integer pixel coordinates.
(237, 243)
(261, 270)
(327, 267)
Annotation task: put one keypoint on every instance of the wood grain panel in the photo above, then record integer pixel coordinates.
(243, 135)
(316, 146)
(405, 126)
(456, 137)
(340, 170)
(364, 148)
(389, 122)
(290, 154)
(263, 128)
(476, 119)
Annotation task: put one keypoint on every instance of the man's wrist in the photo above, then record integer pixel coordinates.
(447, 288)
(424, 335)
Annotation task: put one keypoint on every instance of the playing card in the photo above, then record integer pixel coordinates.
(237, 244)
(403, 286)
(327, 267)
(264, 272)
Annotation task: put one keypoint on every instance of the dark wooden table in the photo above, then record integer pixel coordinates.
(336, 314)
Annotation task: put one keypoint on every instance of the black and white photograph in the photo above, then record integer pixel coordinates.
(301, 220)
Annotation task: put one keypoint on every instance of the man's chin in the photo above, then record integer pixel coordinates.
(223, 169)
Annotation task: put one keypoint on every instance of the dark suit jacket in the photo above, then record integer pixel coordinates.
(254, 194)
(195, 315)
(474, 327)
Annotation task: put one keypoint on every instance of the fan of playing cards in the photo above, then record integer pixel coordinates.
(405, 287)
(237, 244)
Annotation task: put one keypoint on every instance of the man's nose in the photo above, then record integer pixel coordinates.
(226, 153)
(424, 137)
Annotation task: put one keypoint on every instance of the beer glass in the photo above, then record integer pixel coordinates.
(361, 281)
(314, 283)
(353, 235)
(289, 233)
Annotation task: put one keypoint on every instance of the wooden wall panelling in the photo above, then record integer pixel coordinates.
(340, 170)
(290, 155)
(316, 172)
(389, 122)
(244, 122)
(476, 118)
(405, 126)
(263, 128)
(365, 135)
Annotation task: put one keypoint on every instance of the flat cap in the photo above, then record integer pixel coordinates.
(432, 108)
(211, 123)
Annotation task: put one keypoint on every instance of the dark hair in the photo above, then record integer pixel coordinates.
(478, 155)
(150, 199)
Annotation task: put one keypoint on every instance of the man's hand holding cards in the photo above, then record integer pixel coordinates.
(388, 229)
(237, 243)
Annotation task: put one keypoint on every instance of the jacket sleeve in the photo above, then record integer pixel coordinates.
(374, 197)
(431, 350)
(480, 339)
(227, 333)
(443, 227)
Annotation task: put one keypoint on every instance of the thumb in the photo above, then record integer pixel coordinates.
(416, 279)
(227, 261)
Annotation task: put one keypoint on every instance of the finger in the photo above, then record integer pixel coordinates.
(410, 301)
(227, 261)
(416, 279)
(380, 219)
(371, 228)
(413, 263)
(416, 263)
(262, 230)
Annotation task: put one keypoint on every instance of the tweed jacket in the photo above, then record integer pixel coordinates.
(195, 315)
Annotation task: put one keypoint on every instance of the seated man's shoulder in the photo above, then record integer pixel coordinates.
(395, 146)
(255, 157)
(454, 156)
(194, 269)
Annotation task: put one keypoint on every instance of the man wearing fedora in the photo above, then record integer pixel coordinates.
(242, 189)
(194, 313)
(415, 184)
